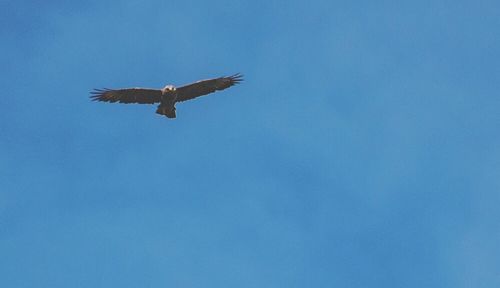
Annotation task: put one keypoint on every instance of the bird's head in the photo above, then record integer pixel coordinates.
(168, 89)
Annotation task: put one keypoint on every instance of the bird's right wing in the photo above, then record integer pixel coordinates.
(208, 86)
(129, 95)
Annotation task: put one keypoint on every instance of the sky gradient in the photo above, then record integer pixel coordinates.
(360, 151)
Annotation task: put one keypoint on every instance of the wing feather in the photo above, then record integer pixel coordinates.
(128, 95)
(208, 86)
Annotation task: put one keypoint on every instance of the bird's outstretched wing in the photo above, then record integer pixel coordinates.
(204, 87)
(129, 95)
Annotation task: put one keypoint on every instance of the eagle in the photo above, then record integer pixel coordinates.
(166, 97)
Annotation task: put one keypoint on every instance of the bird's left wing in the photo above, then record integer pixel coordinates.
(204, 87)
(129, 95)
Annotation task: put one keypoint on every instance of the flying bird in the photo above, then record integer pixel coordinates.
(168, 96)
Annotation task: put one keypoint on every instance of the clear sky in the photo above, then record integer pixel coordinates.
(362, 150)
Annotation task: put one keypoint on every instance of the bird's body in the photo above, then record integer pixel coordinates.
(168, 96)
(167, 104)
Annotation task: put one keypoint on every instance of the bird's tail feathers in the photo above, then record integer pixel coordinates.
(169, 112)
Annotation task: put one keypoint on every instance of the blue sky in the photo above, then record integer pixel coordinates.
(361, 150)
